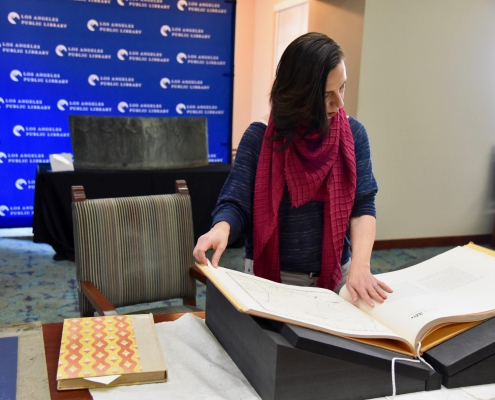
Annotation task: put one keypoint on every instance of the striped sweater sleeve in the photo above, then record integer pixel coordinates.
(235, 202)
(364, 203)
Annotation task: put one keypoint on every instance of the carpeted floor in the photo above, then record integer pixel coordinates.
(35, 287)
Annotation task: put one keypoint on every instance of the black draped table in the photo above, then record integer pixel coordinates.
(52, 222)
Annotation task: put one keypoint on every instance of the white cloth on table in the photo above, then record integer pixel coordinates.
(197, 366)
(483, 392)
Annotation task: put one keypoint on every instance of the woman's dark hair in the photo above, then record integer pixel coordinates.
(298, 94)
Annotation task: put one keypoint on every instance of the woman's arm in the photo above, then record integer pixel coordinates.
(360, 282)
(232, 215)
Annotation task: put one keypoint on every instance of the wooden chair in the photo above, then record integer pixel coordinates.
(134, 250)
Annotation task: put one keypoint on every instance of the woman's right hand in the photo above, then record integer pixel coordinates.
(216, 239)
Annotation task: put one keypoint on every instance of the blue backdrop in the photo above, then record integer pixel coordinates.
(153, 58)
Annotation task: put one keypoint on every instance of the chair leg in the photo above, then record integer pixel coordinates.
(85, 307)
(189, 301)
(87, 314)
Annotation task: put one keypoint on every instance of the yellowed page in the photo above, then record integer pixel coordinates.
(456, 286)
(473, 246)
(316, 308)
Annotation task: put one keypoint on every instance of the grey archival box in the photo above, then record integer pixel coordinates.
(287, 362)
(138, 143)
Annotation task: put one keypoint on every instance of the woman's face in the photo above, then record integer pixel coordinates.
(334, 90)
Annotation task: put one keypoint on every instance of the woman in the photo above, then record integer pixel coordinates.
(302, 188)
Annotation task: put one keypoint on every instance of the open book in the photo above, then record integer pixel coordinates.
(432, 301)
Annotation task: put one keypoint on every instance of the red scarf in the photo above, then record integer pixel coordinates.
(313, 170)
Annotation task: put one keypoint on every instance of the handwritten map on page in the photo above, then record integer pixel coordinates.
(316, 307)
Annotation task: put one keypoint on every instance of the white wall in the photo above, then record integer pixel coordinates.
(243, 68)
(253, 63)
(264, 45)
(427, 98)
(342, 20)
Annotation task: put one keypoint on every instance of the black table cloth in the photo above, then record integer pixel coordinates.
(52, 222)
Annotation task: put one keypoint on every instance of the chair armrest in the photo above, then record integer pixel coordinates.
(100, 303)
(197, 274)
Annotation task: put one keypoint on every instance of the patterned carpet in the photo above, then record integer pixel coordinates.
(35, 287)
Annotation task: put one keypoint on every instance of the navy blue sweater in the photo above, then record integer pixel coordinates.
(301, 228)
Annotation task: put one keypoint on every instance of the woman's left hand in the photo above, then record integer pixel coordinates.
(362, 284)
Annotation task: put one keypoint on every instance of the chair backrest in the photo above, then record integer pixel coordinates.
(135, 249)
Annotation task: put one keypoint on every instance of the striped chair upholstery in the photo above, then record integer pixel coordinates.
(135, 249)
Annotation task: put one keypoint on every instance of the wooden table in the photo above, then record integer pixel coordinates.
(52, 335)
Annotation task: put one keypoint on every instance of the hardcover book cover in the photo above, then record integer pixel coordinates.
(23, 368)
(8, 367)
(109, 351)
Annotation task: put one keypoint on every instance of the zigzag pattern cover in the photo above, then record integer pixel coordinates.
(98, 346)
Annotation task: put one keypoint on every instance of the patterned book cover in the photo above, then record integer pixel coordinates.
(98, 346)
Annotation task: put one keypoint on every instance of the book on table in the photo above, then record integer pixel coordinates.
(109, 351)
(8, 367)
(431, 301)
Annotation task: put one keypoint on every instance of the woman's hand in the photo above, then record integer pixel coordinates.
(362, 284)
(216, 239)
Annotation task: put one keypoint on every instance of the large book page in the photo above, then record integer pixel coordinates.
(452, 287)
(316, 308)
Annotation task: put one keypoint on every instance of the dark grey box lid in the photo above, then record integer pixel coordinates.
(138, 143)
(337, 347)
(464, 350)
(352, 351)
